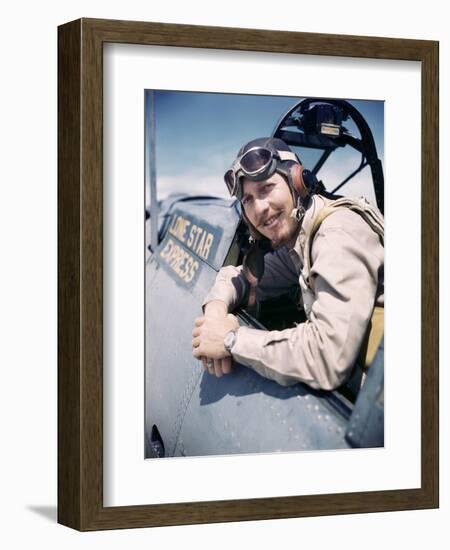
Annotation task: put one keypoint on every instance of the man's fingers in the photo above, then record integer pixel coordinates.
(199, 321)
(218, 368)
(226, 365)
(196, 332)
(195, 342)
(210, 366)
(197, 353)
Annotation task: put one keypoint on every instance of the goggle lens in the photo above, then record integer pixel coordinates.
(256, 160)
(257, 164)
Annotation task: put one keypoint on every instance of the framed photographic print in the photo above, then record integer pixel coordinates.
(151, 118)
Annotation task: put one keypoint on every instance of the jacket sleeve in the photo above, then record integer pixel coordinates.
(231, 286)
(346, 259)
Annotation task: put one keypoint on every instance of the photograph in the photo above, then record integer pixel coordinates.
(264, 273)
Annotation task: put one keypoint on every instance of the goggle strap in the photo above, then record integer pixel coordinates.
(287, 155)
(283, 155)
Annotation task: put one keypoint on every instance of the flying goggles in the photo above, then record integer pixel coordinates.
(257, 164)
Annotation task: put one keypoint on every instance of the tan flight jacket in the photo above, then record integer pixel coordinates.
(347, 278)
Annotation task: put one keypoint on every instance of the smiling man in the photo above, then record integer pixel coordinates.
(268, 205)
(329, 249)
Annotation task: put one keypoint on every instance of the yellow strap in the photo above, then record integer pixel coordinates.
(374, 334)
(324, 213)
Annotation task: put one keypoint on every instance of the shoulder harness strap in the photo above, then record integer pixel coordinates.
(376, 222)
(369, 214)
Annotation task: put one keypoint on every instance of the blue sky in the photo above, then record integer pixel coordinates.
(198, 135)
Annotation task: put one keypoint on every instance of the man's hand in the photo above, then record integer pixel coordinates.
(207, 342)
(209, 333)
(218, 367)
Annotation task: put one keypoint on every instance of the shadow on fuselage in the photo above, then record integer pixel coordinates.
(243, 382)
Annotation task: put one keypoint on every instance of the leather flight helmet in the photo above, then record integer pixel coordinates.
(258, 160)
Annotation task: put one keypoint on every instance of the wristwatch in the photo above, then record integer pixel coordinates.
(230, 339)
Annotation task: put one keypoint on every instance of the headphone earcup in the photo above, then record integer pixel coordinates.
(296, 176)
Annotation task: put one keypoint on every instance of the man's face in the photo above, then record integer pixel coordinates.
(268, 205)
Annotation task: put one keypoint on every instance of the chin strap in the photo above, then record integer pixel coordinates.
(298, 212)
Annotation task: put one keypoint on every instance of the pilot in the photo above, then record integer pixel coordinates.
(330, 249)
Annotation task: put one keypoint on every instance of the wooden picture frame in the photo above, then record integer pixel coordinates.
(80, 273)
